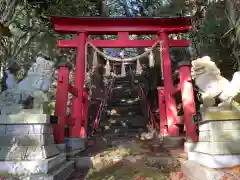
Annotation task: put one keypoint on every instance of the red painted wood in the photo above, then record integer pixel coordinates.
(61, 103)
(188, 102)
(122, 43)
(77, 103)
(176, 89)
(85, 116)
(73, 90)
(100, 25)
(123, 36)
(171, 110)
(162, 113)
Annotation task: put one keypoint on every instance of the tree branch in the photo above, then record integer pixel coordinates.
(28, 42)
(18, 41)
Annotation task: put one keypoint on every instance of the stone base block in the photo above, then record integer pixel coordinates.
(75, 143)
(61, 173)
(27, 152)
(219, 125)
(16, 129)
(189, 146)
(194, 171)
(25, 118)
(218, 148)
(215, 113)
(214, 161)
(172, 142)
(219, 136)
(61, 147)
(27, 140)
(31, 167)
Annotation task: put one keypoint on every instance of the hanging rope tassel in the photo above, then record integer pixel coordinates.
(151, 59)
(123, 70)
(108, 69)
(95, 59)
(139, 67)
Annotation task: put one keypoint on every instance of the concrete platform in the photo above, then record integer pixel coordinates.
(16, 129)
(26, 118)
(218, 148)
(215, 113)
(194, 171)
(61, 173)
(32, 167)
(219, 136)
(75, 143)
(27, 140)
(214, 161)
(28, 152)
(219, 125)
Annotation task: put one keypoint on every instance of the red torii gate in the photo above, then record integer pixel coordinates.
(123, 27)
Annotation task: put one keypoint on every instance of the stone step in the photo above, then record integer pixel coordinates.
(127, 121)
(61, 173)
(124, 102)
(124, 78)
(214, 161)
(219, 125)
(125, 109)
(114, 113)
(28, 152)
(218, 148)
(27, 140)
(125, 99)
(27, 118)
(194, 171)
(32, 167)
(122, 130)
(219, 136)
(22, 129)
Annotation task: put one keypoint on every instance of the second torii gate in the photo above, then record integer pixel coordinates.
(123, 27)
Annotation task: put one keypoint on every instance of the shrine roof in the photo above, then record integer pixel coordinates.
(112, 25)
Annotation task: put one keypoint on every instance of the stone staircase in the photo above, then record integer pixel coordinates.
(124, 115)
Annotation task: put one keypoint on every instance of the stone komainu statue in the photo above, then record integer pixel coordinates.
(32, 87)
(212, 85)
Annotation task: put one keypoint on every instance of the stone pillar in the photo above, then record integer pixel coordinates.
(27, 148)
(219, 139)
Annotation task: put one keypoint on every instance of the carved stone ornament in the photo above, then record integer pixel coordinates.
(212, 85)
(29, 93)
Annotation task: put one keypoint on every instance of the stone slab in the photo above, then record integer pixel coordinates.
(27, 140)
(31, 167)
(28, 152)
(218, 148)
(173, 142)
(219, 125)
(75, 143)
(25, 118)
(212, 114)
(214, 161)
(219, 136)
(15, 129)
(189, 146)
(194, 171)
(61, 173)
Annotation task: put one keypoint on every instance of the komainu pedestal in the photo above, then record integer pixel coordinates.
(27, 148)
(219, 139)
